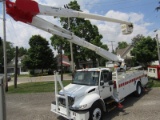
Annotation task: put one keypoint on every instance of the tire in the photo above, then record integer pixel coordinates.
(138, 91)
(96, 112)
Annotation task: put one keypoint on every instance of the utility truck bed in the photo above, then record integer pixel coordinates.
(125, 83)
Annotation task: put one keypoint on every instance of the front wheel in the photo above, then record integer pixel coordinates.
(138, 91)
(96, 112)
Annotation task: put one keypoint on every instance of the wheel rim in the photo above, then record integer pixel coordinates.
(139, 89)
(97, 114)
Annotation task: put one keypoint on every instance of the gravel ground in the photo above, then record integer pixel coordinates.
(37, 107)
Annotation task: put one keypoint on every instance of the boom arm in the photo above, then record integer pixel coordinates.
(53, 29)
(26, 11)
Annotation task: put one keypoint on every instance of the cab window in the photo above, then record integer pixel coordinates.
(105, 76)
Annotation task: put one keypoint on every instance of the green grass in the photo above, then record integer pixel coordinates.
(153, 83)
(39, 87)
(35, 87)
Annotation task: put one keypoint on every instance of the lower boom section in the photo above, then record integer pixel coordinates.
(73, 115)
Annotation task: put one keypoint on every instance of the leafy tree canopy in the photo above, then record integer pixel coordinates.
(85, 30)
(136, 39)
(158, 7)
(40, 56)
(145, 50)
(22, 51)
(122, 45)
(10, 52)
(0, 41)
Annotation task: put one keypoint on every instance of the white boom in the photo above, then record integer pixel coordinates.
(26, 11)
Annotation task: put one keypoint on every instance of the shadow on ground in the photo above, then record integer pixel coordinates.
(128, 102)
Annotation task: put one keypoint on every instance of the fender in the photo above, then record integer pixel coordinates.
(136, 82)
(85, 102)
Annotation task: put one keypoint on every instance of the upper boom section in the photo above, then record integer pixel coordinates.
(25, 10)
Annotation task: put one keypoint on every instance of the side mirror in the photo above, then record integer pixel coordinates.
(102, 83)
(110, 82)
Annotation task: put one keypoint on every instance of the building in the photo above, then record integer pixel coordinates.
(65, 63)
(20, 70)
(154, 71)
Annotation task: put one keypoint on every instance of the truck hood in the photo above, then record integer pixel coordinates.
(76, 91)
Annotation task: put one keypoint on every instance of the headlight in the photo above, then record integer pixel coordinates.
(82, 106)
(78, 107)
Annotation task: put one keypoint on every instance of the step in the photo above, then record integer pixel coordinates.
(110, 109)
(110, 101)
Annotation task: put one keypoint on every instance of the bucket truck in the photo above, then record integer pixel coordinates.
(93, 91)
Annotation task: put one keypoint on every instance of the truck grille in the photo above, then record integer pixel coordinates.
(62, 101)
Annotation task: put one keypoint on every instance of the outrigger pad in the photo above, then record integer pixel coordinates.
(120, 105)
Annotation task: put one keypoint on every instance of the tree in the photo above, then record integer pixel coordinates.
(0, 41)
(10, 52)
(22, 51)
(145, 50)
(1, 54)
(158, 8)
(122, 45)
(136, 39)
(85, 30)
(40, 56)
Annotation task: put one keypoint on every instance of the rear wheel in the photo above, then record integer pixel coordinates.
(96, 112)
(138, 91)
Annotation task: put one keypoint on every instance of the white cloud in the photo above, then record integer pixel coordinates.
(19, 33)
(112, 31)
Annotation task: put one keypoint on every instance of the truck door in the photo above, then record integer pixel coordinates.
(105, 89)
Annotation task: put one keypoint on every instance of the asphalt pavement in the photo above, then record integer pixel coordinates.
(36, 106)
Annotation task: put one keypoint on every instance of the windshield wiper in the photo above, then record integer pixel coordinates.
(79, 83)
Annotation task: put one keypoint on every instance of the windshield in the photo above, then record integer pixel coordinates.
(90, 78)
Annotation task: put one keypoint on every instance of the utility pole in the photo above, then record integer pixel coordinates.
(4, 83)
(61, 61)
(71, 45)
(112, 45)
(157, 39)
(16, 67)
(71, 50)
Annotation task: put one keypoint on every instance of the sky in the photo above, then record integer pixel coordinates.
(141, 13)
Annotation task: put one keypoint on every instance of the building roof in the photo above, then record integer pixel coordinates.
(12, 62)
(65, 60)
(123, 52)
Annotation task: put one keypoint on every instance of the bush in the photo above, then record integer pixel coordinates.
(31, 72)
(50, 72)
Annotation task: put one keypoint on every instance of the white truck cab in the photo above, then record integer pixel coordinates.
(88, 89)
(88, 86)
